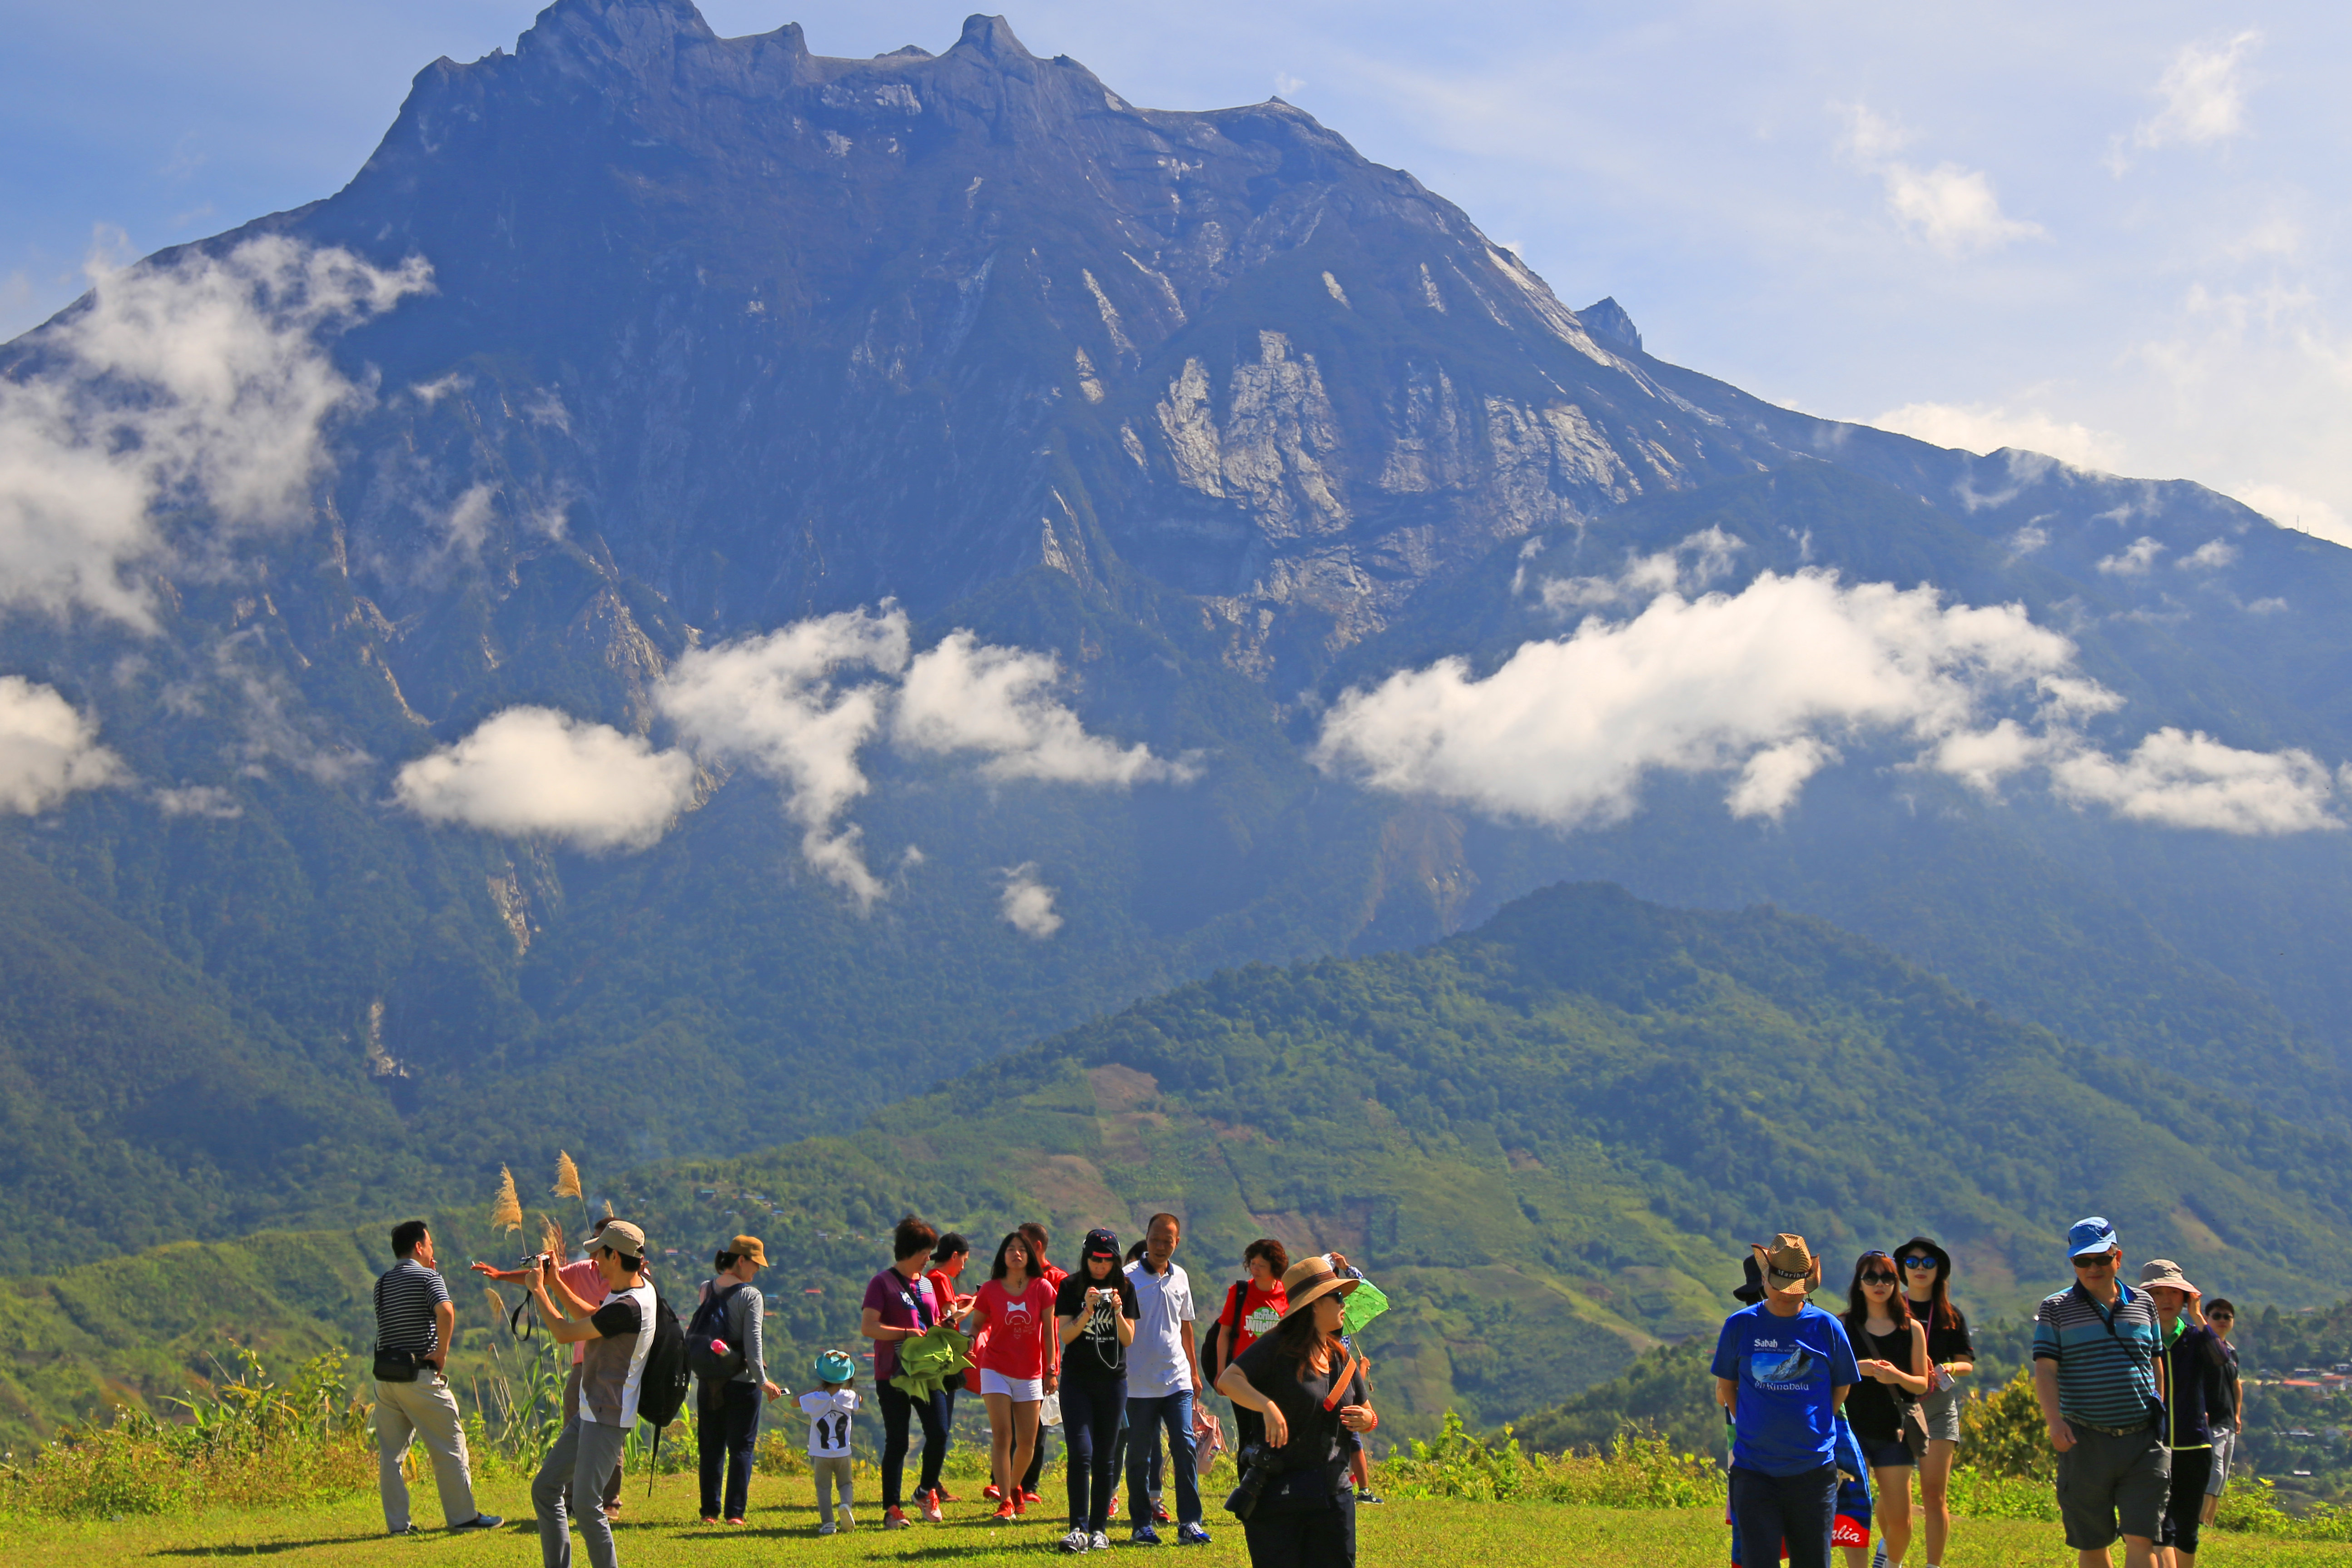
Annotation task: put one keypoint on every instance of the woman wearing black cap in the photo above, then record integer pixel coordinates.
(1927, 1270)
(1094, 1312)
(1310, 1388)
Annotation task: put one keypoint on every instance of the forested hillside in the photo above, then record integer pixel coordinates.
(1548, 1138)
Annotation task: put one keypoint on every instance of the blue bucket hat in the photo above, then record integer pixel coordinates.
(835, 1366)
(2093, 1235)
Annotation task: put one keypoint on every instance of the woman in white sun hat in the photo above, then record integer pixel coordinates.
(2194, 1366)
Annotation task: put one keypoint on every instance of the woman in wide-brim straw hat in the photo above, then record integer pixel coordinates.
(1310, 1390)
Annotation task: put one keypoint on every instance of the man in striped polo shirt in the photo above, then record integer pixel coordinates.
(2098, 1372)
(413, 1320)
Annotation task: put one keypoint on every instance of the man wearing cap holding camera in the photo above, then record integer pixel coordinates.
(617, 1337)
(1783, 1367)
(2098, 1372)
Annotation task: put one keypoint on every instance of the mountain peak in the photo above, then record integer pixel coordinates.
(1606, 318)
(991, 38)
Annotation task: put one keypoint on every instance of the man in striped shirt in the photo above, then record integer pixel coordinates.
(2098, 1372)
(413, 1320)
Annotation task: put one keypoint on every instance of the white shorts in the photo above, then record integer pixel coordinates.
(1020, 1390)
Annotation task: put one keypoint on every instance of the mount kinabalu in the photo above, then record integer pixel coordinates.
(658, 342)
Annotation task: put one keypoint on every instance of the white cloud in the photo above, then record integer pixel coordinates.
(2193, 781)
(48, 749)
(1565, 730)
(796, 706)
(2211, 556)
(1646, 576)
(2134, 560)
(1952, 208)
(1762, 685)
(536, 773)
(192, 389)
(2204, 93)
(2028, 539)
(2304, 514)
(1027, 904)
(1985, 429)
(199, 800)
(966, 696)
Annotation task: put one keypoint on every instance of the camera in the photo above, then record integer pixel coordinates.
(1256, 1462)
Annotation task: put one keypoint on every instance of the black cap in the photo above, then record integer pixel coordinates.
(1099, 1243)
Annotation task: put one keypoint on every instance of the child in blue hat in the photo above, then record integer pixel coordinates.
(829, 1407)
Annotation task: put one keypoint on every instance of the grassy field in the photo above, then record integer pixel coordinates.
(664, 1531)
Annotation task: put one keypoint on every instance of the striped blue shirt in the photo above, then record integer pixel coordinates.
(2106, 1357)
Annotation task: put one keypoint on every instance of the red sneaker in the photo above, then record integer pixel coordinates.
(1028, 1497)
(1005, 1513)
(930, 1507)
(991, 1492)
(895, 1518)
(1160, 1513)
(1112, 1510)
(1019, 1506)
(944, 1495)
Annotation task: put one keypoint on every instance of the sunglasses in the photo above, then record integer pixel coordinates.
(1878, 1277)
(2096, 1260)
(1919, 1262)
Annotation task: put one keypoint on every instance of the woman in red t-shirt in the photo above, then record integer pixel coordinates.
(1019, 1365)
(1252, 1308)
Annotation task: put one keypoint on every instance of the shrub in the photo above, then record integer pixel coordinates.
(2002, 1433)
(1633, 1471)
(251, 1442)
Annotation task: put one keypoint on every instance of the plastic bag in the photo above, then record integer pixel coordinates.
(1051, 1415)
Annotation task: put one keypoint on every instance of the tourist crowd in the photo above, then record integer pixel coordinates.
(1830, 1414)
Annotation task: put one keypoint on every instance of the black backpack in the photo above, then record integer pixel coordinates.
(662, 1395)
(709, 1326)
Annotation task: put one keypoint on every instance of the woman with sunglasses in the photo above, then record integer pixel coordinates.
(1890, 1347)
(1927, 1270)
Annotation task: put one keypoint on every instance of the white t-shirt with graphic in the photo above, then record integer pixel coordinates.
(829, 1422)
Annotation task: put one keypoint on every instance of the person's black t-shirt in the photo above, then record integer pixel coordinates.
(1946, 1341)
(1095, 1357)
(1876, 1408)
(618, 1318)
(1313, 1465)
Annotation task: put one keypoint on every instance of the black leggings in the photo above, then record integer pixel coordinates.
(2184, 1512)
(1090, 1419)
(896, 1406)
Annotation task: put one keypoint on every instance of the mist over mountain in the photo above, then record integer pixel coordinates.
(752, 582)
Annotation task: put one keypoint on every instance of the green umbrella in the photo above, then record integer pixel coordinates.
(1365, 1302)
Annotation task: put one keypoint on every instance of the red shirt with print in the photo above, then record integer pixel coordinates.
(1017, 1328)
(1261, 1309)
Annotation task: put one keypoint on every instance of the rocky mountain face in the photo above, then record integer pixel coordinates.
(656, 360)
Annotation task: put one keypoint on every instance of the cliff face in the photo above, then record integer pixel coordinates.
(790, 333)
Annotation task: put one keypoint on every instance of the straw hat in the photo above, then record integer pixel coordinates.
(1788, 1264)
(1310, 1279)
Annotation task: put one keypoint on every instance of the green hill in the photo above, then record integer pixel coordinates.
(1548, 1138)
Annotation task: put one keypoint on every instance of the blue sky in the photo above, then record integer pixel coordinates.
(2119, 233)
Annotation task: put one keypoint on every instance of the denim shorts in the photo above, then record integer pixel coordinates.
(1895, 1456)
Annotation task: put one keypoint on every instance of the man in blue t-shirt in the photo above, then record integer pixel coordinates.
(1782, 1368)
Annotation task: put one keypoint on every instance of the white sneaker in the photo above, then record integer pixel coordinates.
(825, 1528)
(848, 1520)
(1099, 1541)
(1077, 1541)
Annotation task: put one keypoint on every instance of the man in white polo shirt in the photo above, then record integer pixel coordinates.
(1163, 1385)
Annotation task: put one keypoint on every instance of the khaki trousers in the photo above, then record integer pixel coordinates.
(426, 1410)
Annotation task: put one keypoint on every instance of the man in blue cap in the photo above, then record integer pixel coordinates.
(2098, 1372)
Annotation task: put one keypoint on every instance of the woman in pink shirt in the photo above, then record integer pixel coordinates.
(1019, 1365)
